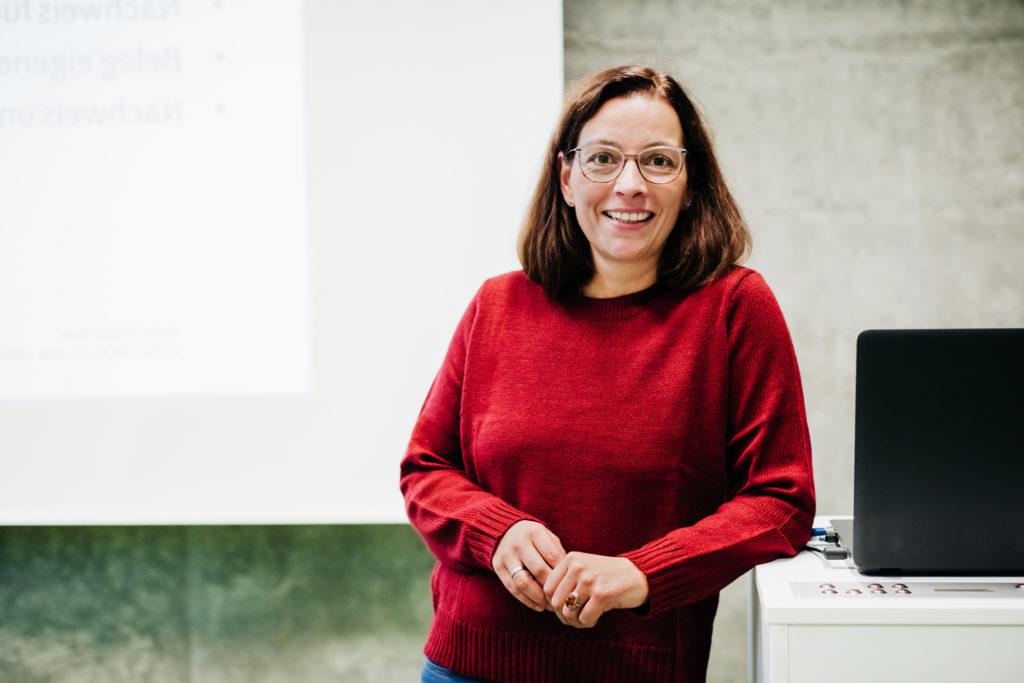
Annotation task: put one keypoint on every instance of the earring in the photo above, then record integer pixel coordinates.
(569, 202)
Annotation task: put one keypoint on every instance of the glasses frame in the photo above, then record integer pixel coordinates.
(635, 158)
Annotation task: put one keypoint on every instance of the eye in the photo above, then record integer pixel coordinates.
(601, 158)
(661, 161)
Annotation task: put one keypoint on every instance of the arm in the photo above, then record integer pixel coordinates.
(770, 500)
(460, 523)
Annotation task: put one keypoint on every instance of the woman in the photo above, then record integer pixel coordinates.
(617, 431)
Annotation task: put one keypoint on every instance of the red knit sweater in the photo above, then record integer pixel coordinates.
(666, 428)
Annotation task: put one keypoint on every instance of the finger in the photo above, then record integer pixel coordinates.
(528, 586)
(572, 615)
(533, 561)
(549, 547)
(568, 582)
(538, 566)
(554, 579)
(561, 617)
(512, 588)
(590, 613)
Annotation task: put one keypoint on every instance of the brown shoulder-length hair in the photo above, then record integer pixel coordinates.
(710, 235)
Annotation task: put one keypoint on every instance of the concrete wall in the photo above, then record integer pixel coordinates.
(877, 149)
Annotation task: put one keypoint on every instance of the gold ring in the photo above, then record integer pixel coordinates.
(572, 601)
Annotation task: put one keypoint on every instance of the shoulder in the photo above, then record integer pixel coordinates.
(508, 289)
(739, 283)
(742, 281)
(750, 285)
(751, 305)
(738, 297)
(498, 296)
(512, 280)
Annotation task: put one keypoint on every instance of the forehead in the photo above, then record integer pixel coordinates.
(634, 121)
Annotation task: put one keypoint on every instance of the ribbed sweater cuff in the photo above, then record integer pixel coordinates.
(673, 579)
(489, 526)
(667, 577)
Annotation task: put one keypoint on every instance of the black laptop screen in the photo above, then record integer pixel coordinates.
(939, 452)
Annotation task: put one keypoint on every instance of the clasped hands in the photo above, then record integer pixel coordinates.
(601, 583)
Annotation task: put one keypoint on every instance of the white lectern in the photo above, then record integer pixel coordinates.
(816, 620)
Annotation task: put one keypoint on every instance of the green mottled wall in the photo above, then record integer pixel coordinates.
(212, 604)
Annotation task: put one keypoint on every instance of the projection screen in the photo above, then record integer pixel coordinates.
(236, 237)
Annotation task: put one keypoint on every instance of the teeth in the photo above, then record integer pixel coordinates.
(629, 217)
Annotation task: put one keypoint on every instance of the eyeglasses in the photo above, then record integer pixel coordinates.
(603, 163)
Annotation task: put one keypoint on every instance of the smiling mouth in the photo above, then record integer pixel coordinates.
(634, 217)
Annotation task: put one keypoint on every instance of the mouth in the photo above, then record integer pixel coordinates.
(633, 218)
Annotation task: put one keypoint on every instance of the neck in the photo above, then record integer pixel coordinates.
(612, 282)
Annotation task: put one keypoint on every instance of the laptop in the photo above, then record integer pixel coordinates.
(939, 452)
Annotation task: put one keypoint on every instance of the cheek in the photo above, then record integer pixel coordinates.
(590, 196)
(672, 202)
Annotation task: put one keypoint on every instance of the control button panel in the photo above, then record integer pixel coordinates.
(902, 589)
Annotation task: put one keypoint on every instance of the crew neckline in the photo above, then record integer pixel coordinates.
(615, 307)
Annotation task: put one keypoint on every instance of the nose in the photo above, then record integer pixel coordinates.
(630, 183)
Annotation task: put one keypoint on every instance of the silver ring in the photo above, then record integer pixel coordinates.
(516, 570)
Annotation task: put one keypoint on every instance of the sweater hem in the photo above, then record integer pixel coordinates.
(524, 657)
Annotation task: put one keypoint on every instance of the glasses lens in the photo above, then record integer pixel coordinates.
(660, 164)
(600, 163)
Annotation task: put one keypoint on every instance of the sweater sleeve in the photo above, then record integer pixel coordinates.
(770, 502)
(460, 523)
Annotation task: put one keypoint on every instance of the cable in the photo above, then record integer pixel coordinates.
(832, 549)
(830, 552)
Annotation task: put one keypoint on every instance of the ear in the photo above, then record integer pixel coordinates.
(564, 173)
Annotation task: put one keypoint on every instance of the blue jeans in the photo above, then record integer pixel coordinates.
(435, 673)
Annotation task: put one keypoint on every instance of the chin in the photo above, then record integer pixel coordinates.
(626, 259)
(628, 252)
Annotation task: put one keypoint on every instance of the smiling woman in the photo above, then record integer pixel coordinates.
(617, 431)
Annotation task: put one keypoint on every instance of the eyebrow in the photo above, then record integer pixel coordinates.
(659, 143)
